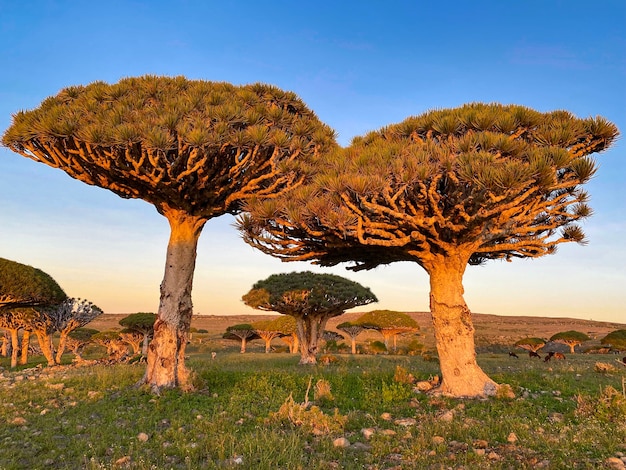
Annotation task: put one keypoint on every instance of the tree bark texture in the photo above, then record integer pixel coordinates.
(61, 346)
(15, 347)
(454, 332)
(310, 329)
(166, 352)
(25, 346)
(45, 343)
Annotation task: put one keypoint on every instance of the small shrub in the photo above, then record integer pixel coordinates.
(322, 391)
(605, 368)
(310, 418)
(377, 347)
(610, 406)
(395, 392)
(327, 359)
(403, 376)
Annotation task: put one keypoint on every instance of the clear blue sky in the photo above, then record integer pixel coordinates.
(359, 65)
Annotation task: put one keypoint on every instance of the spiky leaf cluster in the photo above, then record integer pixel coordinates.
(387, 319)
(191, 145)
(143, 322)
(571, 336)
(24, 286)
(492, 181)
(616, 339)
(306, 293)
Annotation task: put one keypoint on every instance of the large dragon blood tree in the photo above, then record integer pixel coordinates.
(194, 149)
(444, 189)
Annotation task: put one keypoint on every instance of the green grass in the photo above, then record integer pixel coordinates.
(563, 417)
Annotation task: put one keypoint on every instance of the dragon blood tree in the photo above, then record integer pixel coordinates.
(194, 149)
(312, 299)
(446, 189)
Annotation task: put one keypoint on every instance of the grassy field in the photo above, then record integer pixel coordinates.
(565, 415)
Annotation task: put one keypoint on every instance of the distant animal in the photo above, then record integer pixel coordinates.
(213, 355)
(512, 354)
(555, 355)
(532, 354)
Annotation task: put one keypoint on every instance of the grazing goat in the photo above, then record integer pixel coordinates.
(512, 354)
(556, 356)
(532, 354)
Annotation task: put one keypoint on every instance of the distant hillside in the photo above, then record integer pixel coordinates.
(490, 329)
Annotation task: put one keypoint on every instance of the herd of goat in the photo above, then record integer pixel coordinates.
(549, 356)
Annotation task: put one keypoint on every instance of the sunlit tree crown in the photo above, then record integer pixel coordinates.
(194, 145)
(489, 180)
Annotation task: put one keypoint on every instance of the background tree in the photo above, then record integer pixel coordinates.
(570, 338)
(390, 324)
(616, 339)
(267, 330)
(116, 349)
(24, 286)
(287, 327)
(444, 189)
(531, 344)
(78, 339)
(242, 332)
(193, 149)
(143, 323)
(311, 299)
(68, 316)
(352, 329)
(133, 338)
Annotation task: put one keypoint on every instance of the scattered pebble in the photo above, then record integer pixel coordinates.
(341, 442)
(511, 438)
(368, 432)
(386, 416)
(438, 440)
(143, 437)
(406, 422)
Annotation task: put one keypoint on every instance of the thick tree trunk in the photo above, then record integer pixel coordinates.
(15, 347)
(45, 343)
(144, 345)
(244, 341)
(310, 330)
(454, 332)
(353, 341)
(25, 345)
(61, 347)
(166, 352)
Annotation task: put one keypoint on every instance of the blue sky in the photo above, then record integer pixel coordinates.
(359, 65)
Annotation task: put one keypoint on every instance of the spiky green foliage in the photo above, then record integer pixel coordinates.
(307, 293)
(25, 286)
(616, 339)
(495, 181)
(83, 334)
(142, 322)
(192, 145)
(571, 338)
(240, 331)
(387, 319)
(531, 344)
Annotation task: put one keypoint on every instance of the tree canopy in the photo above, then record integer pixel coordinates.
(311, 299)
(616, 339)
(446, 189)
(194, 145)
(24, 286)
(570, 338)
(498, 181)
(389, 323)
(531, 344)
(143, 322)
